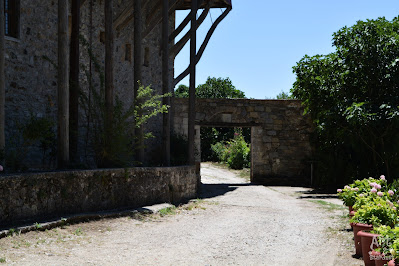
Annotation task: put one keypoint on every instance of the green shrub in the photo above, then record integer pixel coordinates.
(235, 153)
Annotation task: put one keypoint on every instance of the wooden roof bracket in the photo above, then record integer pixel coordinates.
(184, 23)
(175, 49)
(155, 16)
(203, 46)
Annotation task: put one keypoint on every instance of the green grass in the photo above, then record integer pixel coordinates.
(167, 211)
(78, 231)
(194, 204)
(328, 205)
(3, 260)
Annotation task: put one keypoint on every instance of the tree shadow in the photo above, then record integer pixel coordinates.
(213, 190)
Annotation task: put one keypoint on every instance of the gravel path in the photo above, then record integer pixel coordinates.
(236, 224)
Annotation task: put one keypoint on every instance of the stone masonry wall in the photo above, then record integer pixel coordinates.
(33, 197)
(31, 59)
(280, 135)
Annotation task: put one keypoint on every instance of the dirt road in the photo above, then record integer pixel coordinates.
(236, 223)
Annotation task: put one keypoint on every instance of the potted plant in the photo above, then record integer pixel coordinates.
(383, 254)
(360, 188)
(376, 211)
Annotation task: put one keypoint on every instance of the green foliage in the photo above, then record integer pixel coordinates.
(167, 211)
(284, 95)
(377, 211)
(388, 236)
(33, 132)
(115, 145)
(119, 152)
(351, 95)
(354, 194)
(210, 136)
(213, 88)
(236, 152)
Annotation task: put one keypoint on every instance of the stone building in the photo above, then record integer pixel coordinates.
(31, 64)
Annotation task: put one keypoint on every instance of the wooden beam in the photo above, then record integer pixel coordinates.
(175, 50)
(191, 103)
(165, 83)
(184, 23)
(74, 81)
(63, 88)
(109, 71)
(138, 62)
(203, 46)
(126, 16)
(156, 17)
(2, 80)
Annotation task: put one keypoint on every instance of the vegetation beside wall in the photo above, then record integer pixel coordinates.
(352, 97)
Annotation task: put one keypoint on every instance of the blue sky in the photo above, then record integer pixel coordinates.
(260, 41)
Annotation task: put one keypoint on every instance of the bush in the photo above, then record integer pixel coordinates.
(236, 152)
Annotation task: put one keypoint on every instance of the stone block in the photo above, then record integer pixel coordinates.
(226, 118)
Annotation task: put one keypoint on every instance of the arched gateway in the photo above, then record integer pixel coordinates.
(280, 134)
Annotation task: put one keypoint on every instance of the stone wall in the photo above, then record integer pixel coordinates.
(280, 134)
(31, 59)
(42, 195)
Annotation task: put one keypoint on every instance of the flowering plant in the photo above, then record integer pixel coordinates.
(386, 239)
(377, 211)
(350, 193)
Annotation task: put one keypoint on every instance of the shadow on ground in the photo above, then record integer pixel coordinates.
(213, 190)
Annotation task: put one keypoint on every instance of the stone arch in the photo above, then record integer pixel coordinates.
(280, 134)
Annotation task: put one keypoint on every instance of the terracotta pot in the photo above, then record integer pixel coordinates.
(357, 227)
(351, 214)
(369, 241)
(379, 259)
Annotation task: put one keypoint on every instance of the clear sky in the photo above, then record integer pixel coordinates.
(260, 41)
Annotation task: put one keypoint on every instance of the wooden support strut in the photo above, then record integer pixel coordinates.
(155, 18)
(183, 24)
(137, 73)
(109, 70)
(165, 83)
(63, 87)
(74, 81)
(182, 42)
(2, 80)
(203, 46)
(191, 105)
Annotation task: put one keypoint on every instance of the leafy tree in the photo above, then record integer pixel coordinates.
(284, 95)
(352, 97)
(212, 88)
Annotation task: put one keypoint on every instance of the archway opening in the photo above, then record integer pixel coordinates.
(229, 147)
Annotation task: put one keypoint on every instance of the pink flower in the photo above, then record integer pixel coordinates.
(372, 184)
(382, 177)
(361, 195)
(356, 189)
(377, 186)
(347, 187)
(394, 208)
(373, 190)
(390, 192)
(398, 201)
(379, 193)
(1, 168)
(339, 190)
